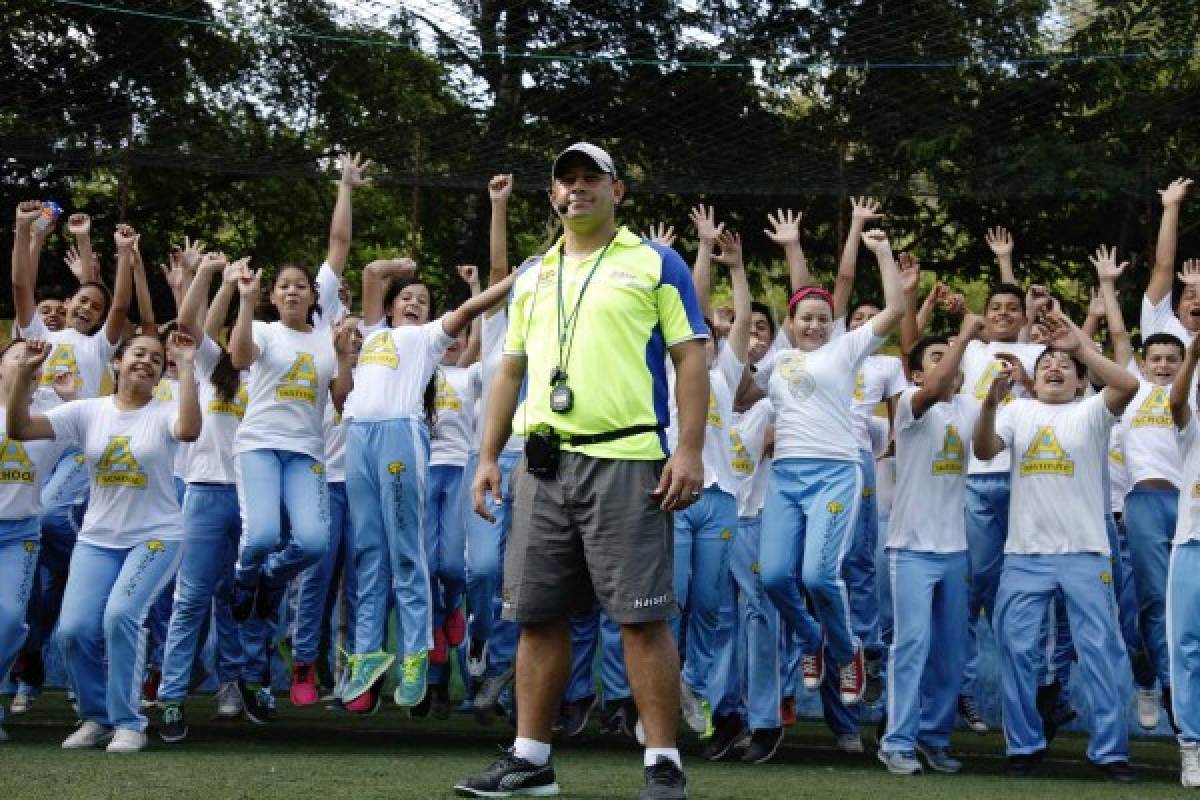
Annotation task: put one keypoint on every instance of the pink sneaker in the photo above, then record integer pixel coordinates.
(304, 685)
(440, 653)
(366, 703)
(455, 627)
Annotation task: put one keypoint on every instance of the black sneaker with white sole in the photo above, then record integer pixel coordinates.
(510, 776)
(172, 726)
(664, 781)
(728, 730)
(253, 707)
(764, 744)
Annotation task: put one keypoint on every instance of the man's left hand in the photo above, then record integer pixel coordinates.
(682, 478)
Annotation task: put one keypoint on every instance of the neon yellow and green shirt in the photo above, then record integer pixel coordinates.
(640, 302)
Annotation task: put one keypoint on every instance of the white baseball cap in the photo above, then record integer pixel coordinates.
(602, 160)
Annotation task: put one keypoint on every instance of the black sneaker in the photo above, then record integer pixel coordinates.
(620, 718)
(1022, 766)
(1118, 772)
(172, 726)
(1047, 699)
(764, 743)
(873, 664)
(664, 781)
(487, 695)
(268, 598)
(253, 707)
(969, 711)
(1165, 697)
(32, 670)
(728, 730)
(440, 705)
(242, 601)
(574, 717)
(509, 776)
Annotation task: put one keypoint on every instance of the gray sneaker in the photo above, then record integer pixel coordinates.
(900, 763)
(229, 700)
(939, 759)
(488, 694)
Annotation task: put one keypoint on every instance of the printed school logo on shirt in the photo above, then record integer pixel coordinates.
(984, 384)
(118, 467)
(300, 383)
(742, 463)
(714, 412)
(380, 350)
(791, 368)
(235, 407)
(1045, 456)
(949, 460)
(1155, 411)
(860, 386)
(15, 466)
(446, 398)
(163, 391)
(61, 360)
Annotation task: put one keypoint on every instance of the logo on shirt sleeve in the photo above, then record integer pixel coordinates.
(117, 467)
(379, 350)
(949, 460)
(446, 399)
(300, 383)
(61, 360)
(1155, 411)
(1045, 456)
(15, 466)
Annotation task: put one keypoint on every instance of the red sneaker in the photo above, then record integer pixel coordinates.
(150, 687)
(440, 653)
(787, 712)
(455, 627)
(304, 690)
(812, 668)
(368, 702)
(852, 678)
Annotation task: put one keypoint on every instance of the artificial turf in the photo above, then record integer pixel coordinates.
(315, 753)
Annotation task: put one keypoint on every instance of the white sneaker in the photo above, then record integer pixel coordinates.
(21, 704)
(1147, 709)
(690, 708)
(127, 741)
(850, 743)
(90, 734)
(229, 700)
(476, 659)
(1189, 761)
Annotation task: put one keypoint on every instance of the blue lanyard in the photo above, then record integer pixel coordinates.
(566, 332)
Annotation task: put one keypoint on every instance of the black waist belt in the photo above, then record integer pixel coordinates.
(610, 436)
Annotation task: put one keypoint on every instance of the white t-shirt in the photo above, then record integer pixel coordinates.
(495, 328)
(749, 432)
(335, 445)
(332, 309)
(210, 457)
(1161, 318)
(932, 458)
(1187, 523)
(979, 368)
(1150, 437)
(1119, 481)
(393, 369)
(1059, 453)
(880, 378)
(26, 466)
(288, 388)
(129, 457)
(812, 394)
(718, 454)
(88, 357)
(454, 427)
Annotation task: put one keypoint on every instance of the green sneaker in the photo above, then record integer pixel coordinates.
(365, 669)
(709, 728)
(411, 690)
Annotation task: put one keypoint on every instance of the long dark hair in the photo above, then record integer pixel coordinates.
(124, 345)
(429, 402)
(394, 289)
(226, 380)
(104, 290)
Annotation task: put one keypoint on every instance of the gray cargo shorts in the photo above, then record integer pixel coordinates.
(593, 533)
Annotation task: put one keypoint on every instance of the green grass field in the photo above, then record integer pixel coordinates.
(319, 754)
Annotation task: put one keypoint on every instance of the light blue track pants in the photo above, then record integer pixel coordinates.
(103, 642)
(1183, 638)
(703, 533)
(929, 643)
(861, 581)
(446, 507)
(807, 530)
(485, 568)
(317, 592)
(1027, 588)
(987, 530)
(267, 482)
(19, 547)
(1149, 525)
(386, 468)
(756, 650)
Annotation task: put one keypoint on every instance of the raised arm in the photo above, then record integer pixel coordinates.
(194, 308)
(346, 348)
(910, 282)
(242, 351)
(80, 228)
(374, 284)
(218, 310)
(661, 233)
(142, 289)
(785, 232)
(1162, 276)
(470, 354)
(1108, 272)
(499, 191)
(1001, 243)
(985, 443)
(731, 257)
(1120, 385)
(340, 227)
(125, 238)
(24, 277)
(182, 348)
(862, 211)
(886, 321)
(457, 320)
(1184, 385)
(941, 379)
(19, 423)
(707, 230)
